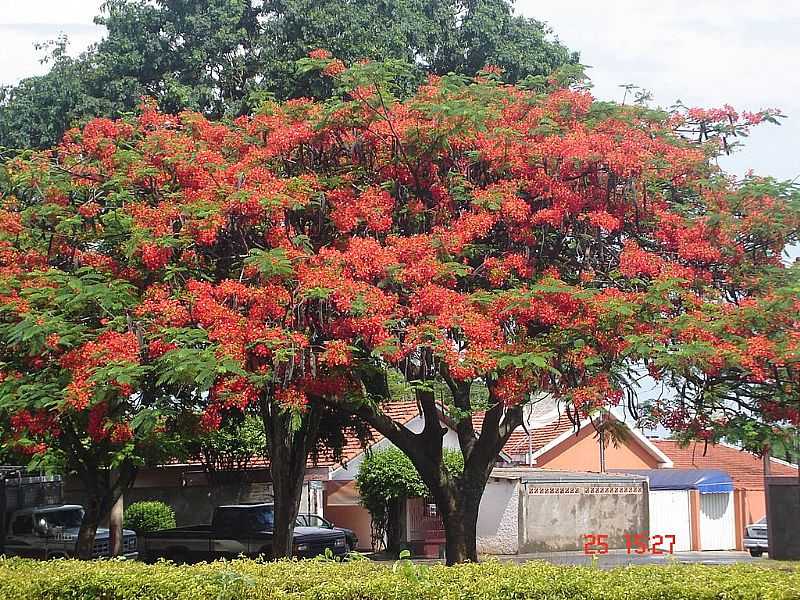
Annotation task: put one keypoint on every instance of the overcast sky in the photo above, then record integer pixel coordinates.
(704, 53)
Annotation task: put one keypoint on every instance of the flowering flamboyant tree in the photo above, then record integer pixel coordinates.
(75, 380)
(532, 241)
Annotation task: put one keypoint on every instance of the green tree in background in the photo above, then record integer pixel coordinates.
(222, 57)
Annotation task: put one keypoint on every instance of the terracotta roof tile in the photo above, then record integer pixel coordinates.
(541, 436)
(402, 412)
(745, 469)
(517, 444)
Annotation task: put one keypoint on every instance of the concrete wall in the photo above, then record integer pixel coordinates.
(582, 453)
(555, 517)
(498, 517)
(783, 526)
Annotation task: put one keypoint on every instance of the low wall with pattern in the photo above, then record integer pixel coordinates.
(555, 516)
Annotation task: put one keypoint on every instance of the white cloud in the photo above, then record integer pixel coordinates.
(24, 24)
(704, 53)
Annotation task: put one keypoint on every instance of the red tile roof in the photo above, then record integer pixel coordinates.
(401, 412)
(746, 469)
(517, 444)
(541, 436)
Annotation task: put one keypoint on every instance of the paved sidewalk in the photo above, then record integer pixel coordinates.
(614, 558)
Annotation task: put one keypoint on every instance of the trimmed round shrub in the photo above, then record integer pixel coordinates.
(147, 516)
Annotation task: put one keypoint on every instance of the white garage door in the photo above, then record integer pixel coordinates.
(669, 515)
(716, 522)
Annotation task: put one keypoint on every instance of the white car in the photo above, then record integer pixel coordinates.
(755, 538)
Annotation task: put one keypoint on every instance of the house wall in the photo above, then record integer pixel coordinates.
(498, 518)
(750, 505)
(582, 453)
(189, 494)
(342, 508)
(755, 505)
(353, 517)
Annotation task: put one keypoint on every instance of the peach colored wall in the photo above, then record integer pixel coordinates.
(355, 518)
(755, 505)
(583, 454)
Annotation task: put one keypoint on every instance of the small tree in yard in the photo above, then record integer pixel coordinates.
(385, 479)
(227, 449)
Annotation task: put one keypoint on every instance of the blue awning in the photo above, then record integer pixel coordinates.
(706, 481)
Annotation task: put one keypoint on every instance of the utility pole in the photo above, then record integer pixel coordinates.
(602, 451)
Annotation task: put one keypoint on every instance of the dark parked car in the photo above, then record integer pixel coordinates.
(310, 520)
(755, 538)
(235, 530)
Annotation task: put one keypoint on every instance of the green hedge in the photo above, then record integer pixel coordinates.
(363, 580)
(148, 515)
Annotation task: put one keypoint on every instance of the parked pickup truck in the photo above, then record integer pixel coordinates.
(235, 530)
(35, 522)
(52, 532)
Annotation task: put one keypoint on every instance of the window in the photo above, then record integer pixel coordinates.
(317, 521)
(228, 520)
(68, 519)
(262, 519)
(23, 525)
(313, 521)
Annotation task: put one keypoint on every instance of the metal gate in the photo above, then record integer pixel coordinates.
(717, 522)
(670, 515)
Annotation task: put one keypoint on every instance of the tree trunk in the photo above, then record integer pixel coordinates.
(115, 524)
(288, 453)
(88, 530)
(287, 486)
(102, 495)
(461, 536)
(457, 498)
(458, 502)
(393, 533)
